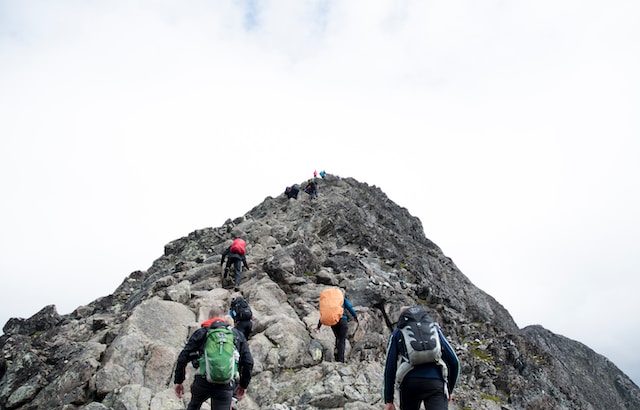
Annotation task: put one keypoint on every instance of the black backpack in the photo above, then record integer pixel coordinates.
(240, 309)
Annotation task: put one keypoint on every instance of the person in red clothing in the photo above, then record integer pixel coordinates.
(235, 255)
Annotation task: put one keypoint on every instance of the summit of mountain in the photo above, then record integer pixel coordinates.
(119, 351)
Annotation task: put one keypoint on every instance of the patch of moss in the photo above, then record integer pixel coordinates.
(481, 354)
(477, 352)
(491, 397)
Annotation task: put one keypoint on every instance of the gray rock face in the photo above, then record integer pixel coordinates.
(118, 352)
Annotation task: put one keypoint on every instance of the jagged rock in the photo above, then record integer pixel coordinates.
(22, 395)
(45, 319)
(180, 293)
(129, 397)
(94, 406)
(145, 351)
(325, 277)
(118, 352)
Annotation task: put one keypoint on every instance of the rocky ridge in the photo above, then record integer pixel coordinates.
(118, 352)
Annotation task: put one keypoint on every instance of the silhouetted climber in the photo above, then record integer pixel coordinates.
(224, 363)
(311, 188)
(323, 174)
(421, 362)
(242, 315)
(332, 313)
(292, 191)
(236, 257)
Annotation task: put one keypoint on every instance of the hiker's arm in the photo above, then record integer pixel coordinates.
(193, 345)
(246, 363)
(319, 325)
(224, 255)
(244, 261)
(390, 368)
(349, 306)
(452, 362)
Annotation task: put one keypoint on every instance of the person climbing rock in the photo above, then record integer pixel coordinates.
(434, 372)
(241, 313)
(216, 344)
(332, 313)
(292, 191)
(236, 256)
(311, 188)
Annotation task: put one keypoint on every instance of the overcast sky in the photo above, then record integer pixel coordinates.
(510, 128)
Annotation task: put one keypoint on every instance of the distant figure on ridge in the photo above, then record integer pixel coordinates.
(323, 174)
(434, 372)
(292, 191)
(315, 173)
(311, 188)
(224, 364)
(242, 315)
(236, 257)
(332, 313)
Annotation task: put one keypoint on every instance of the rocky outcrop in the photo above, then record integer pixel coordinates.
(118, 352)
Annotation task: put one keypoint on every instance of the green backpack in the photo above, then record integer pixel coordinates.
(219, 363)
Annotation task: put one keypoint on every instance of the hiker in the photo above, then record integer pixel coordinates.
(216, 343)
(242, 315)
(332, 313)
(315, 173)
(434, 372)
(311, 188)
(236, 257)
(323, 174)
(292, 191)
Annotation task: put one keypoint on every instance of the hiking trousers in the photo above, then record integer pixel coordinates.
(340, 331)
(245, 327)
(237, 268)
(202, 390)
(416, 390)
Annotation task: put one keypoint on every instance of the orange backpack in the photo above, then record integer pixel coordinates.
(331, 309)
(238, 246)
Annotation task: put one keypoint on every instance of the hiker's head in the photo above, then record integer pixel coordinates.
(216, 311)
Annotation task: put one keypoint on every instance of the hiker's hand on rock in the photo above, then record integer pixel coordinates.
(240, 393)
(179, 388)
(389, 406)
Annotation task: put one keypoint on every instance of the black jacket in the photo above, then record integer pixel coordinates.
(195, 347)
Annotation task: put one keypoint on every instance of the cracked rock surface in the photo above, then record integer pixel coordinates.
(118, 352)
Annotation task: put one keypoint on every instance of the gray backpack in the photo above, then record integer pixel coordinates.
(420, 342)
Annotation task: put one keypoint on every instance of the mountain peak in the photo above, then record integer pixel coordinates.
(121, 349)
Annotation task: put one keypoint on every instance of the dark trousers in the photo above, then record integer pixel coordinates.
(340, 331)
(202, 390)
(245, 327)
(237, 267)
(415, 390)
